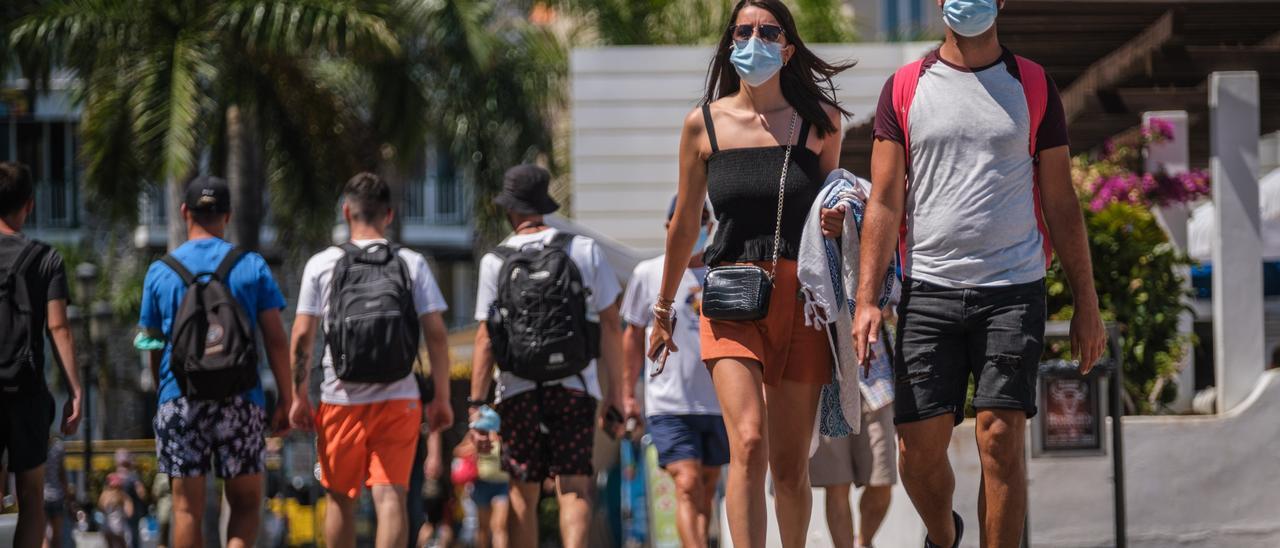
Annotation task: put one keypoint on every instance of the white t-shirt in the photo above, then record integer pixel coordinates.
(313, 300)
(684, 387)
(597, 275)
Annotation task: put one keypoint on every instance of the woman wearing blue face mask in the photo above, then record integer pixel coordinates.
(760, 146)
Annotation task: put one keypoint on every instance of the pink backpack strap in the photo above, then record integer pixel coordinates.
(1036, 88)
(904, 93)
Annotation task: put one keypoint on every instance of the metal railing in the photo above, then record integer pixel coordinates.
(435, 201)
(57, 205)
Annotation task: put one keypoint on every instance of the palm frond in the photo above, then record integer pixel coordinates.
(168, 104)
(69, 33)
(113, 175)
(313, 142)
(339, 27)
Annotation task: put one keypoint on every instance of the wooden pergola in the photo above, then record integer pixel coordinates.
(1115, 59)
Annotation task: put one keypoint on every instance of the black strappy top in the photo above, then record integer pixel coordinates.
(743, 186)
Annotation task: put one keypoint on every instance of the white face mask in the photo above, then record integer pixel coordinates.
(704, 234)
(969, 18)
(756, 60)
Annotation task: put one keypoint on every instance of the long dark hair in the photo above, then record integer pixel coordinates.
(806, 79)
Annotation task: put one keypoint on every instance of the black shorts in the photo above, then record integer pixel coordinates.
(947, 335)
(25, 419)
(547, 433)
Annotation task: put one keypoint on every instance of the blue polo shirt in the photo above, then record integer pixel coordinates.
(250, 283)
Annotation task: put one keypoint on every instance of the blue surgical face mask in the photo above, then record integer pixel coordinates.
(756, 60)
(704, 234)
(969, 18)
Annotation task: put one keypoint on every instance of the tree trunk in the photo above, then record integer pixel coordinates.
(176, 226)
(246, 191)
(389, 170)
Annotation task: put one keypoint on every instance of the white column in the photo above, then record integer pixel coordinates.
(1174, 157)
(1237, 241)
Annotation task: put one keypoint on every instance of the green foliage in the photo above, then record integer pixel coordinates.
(823, 21)
(649, 22)
(1137, 274)
(489, 86)
(331, 87)
(158, 75)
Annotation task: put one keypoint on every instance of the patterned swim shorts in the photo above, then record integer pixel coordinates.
(190, 433)
(547, 433)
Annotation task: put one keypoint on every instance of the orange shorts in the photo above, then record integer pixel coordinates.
(366, 444)
(786, 347)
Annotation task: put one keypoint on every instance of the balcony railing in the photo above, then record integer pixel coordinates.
(435, 202)
(57, 205)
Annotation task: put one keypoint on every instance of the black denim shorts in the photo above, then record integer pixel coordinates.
(946, 335)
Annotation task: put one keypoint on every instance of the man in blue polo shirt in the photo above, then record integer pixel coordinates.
(195, 436)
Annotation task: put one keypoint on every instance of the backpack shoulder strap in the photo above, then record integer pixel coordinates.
(349, 249)
(349, 252)
(174, 264)
(711, 127)
(25, 257)
(905, 81)
(561, 240)
(1036, 87)
(504, 252)
(229, 262)
(904, 93)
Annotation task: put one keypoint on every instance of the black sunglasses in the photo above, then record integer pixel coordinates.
(768, 33)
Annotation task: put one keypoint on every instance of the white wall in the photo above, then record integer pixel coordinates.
(1203, 481)
(628, 104)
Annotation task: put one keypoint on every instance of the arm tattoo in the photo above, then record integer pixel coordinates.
(301, 363)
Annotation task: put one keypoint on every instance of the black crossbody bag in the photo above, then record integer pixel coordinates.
(741, 292)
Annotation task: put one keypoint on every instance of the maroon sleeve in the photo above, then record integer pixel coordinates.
(1053, 128)
(886, 126)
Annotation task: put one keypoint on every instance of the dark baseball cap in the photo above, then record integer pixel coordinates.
(525, 190)
(205, 193)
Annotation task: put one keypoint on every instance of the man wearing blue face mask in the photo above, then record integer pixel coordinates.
(971, 176)
(680, 404)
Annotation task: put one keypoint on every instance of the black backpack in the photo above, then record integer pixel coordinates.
(17, 364)
(538, 325)
(372, 327)
(215, 352)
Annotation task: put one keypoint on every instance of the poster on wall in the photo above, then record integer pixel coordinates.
(1070, 420)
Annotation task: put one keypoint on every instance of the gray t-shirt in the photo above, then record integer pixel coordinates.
(970, 206)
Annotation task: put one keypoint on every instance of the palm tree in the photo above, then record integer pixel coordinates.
(474, 76)
(166, 82)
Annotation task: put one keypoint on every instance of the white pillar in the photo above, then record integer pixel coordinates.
(1174, 157)
(1237, 241)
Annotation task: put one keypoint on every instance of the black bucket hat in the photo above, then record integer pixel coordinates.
(524, 190)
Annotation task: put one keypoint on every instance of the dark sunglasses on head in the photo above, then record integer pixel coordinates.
(768, 33)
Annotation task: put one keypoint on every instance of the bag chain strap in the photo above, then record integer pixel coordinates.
(782, 190)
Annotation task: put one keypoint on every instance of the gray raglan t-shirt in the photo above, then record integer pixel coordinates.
(971, 217)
